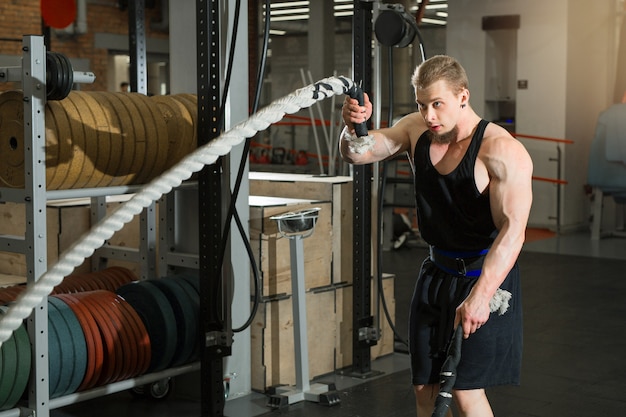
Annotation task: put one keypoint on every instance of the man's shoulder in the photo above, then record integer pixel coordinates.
(497, 141)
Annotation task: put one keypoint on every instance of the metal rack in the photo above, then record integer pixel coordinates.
(34, 244)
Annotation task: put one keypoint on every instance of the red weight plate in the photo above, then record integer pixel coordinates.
(112, 351)
(113, 278)
(127, 275)
(123, 336)
(144, 350)
(101, 282)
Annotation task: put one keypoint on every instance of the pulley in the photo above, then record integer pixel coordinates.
(394, 26)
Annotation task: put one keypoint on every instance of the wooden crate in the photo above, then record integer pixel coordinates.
(337, 190)
(66, 221)
(344, 326)
(272, 250)
(272, 341)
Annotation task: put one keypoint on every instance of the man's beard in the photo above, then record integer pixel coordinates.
(444, 138)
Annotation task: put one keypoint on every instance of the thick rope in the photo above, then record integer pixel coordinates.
(172, 178)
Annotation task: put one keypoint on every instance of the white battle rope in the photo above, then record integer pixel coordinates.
(172, 178)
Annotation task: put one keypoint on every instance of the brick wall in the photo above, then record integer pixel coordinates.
(23, 17)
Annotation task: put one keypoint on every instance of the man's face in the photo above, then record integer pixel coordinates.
(440, 108)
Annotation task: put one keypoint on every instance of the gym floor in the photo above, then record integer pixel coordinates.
(574, 344)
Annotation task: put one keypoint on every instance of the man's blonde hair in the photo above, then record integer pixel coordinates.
(440, 67)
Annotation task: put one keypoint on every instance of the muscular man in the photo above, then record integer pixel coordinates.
(473, 194)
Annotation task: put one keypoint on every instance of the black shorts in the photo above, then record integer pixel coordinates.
(491, 356)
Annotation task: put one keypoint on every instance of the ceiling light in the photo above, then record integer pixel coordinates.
(303, 10)
(288, 4)
(292, 17)
(433, 21)
(436, 6)
(344, 7)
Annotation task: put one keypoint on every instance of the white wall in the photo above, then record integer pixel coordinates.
(590, 79)
(563, 51)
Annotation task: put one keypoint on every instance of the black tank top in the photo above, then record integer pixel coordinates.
(452, 214)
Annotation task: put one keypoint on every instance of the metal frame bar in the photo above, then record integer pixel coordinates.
(34, 84)
(362, 318)
(215, 317)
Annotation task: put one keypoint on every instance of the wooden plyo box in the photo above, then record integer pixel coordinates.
(66, 221)
(272, 339)
(337, 190)
(344, 316)
(273, 251)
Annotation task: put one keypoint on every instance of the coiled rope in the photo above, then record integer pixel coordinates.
(172, 178)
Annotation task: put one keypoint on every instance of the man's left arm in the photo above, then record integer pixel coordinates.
(510, 188)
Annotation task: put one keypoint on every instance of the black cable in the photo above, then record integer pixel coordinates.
(220, 125)
(242, 165)
(383, 184)
(232, 211)
(381, 195)
(257, 281)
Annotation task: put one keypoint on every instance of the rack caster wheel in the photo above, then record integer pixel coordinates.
(157, 390)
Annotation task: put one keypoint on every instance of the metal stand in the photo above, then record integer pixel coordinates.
(296, 227)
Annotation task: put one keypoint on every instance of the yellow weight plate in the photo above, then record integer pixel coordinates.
(89, 175)
(150, 136)
(191, 104)
(122, 138)
(115, 129)
(75, 172)
(180, 127)
(64, 144)
(103, 133)
(52, 147)
(153, 114)
(138, 136)
(12, 139)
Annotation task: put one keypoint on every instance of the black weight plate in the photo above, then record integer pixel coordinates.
(158, 316)
(193, 295)
(185, 315)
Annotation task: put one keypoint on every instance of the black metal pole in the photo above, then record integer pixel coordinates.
(213, 312)
(137, 46)
(362, 189)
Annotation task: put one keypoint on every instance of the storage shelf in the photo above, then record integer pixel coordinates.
(33, 244)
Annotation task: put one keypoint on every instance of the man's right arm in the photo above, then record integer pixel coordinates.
(379, 145)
